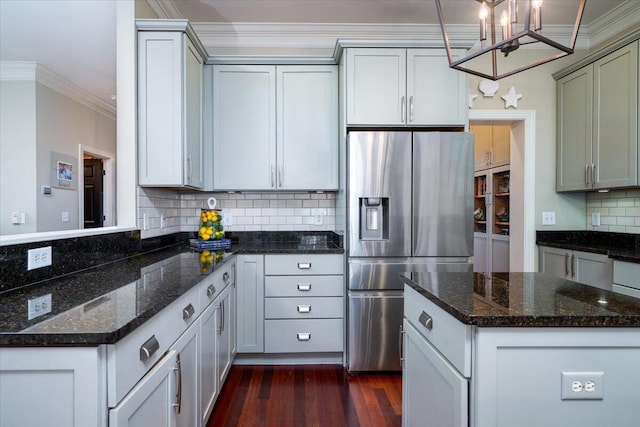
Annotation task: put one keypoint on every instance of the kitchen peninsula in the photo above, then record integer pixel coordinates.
(523, 349)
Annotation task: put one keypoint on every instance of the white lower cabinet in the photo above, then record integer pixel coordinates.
(187, 350)
(433, 391)
(584, 267)
(209, 388)
(224, 346)
(250, 297)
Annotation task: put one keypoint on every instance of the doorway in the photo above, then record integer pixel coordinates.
(93, 192)
(96, 199)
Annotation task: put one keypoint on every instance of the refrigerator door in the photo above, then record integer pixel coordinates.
(442, 217)
(379, 194)
(374, 322)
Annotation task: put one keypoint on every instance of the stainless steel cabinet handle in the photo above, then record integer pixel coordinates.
(280, 176)
(303, 336)
(304, 308)
(401, 344)
(188, 311)
(189, 169)
(178, 405)
(587, 175)
(304, 265)
(426, 320)
(566, 263)
(273, 174)
(211, 290)
(225, 277)
(491, 156)
(149, 348)
(593, 174)
(403, 107)
(573, 265)
(411, 108)
(219, 329)
(304, 287)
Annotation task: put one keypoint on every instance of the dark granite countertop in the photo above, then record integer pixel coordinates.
(102, 304)
(620, 246)
(524, 300)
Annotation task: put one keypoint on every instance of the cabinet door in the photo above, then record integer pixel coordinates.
(500, 145)
(376, 86)
(307, 128)
(187, 354)
(482, 145)
(593, 269)
(194, 157)
(433, 392)
(574, 121)
(436, 94)
(499, 254)
(250, 299)
(480, 261)
(223, 345)
(208, 355)
(244, 131)
(150, 402)
(555, 262)
(615, 127)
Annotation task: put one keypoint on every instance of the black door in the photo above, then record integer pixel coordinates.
(93, 176)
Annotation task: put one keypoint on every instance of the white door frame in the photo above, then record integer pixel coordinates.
(108, 188)
(522, 242)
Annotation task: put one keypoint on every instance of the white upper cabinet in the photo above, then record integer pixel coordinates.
(404, 87)
(598, 124)
(275, 128)
(170, 93)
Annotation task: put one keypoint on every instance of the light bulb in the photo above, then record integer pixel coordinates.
(484, 11)
(536, 4)
(504, 18)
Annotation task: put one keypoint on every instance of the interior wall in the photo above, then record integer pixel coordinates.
(17, 142)
(63, 124)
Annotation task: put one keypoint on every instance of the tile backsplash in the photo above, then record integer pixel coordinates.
(619, 211)
(168, 211)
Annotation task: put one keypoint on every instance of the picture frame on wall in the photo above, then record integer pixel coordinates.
(63, 171)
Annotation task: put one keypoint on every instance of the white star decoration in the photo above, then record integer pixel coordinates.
(472, 96)
(511, 98)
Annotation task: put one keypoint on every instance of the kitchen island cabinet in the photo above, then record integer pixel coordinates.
(598, 123)
(275, 127)
(403, 87)
(533, 349)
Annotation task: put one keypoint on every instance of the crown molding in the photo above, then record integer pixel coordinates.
(624, 18)
(32, 71)
(180, 25)
(164, 9)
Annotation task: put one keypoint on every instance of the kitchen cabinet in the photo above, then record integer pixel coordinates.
(187, 349)
(304, 303)
(275, 127)
(250, 301)
(226, 332)
(170, 97)
(491, 220)
(625, 278)
(404, 87)
(584, 267)
(492, 145)
(598, 124)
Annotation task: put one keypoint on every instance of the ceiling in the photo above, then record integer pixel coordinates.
(76, 39)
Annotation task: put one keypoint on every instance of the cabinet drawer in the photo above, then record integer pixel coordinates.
(298, 286)
(296, 264)
(451, 337)
(211, 286)
(304, 308)
(124, 363)
(301, 336)
(626, 273)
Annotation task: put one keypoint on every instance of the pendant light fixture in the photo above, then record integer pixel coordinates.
(505, 28)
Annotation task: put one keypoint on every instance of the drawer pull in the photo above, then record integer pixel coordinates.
(304, 287)
(303, 336)
(225, 277)
(211, 290)
(188, 311)
(304, 308)
(149, 348)
(304, 265)
(426, 320)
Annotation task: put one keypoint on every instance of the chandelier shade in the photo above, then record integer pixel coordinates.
(506, 30)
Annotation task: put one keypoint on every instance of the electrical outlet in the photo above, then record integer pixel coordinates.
(145, 221)
(65, 216)
(38, 258)
(162, 221)
(582, 385)
(227, 219)
(38, 306)
(548, 218)
(595, 219)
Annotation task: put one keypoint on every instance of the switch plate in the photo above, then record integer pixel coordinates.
(595, 219)
(65, 216)
(38, 258)
(548, 218)
(38, 306)
(582, 385)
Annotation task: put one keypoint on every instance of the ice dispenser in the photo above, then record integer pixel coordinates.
(374, 218)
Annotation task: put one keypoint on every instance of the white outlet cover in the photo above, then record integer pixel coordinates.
(38, 306)
(38, 258)
(582, 385)
(548, 218)
(595, 219)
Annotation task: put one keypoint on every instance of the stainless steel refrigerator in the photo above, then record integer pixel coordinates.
(409, 208)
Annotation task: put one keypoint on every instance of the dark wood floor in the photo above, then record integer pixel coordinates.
(307, 395)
